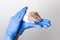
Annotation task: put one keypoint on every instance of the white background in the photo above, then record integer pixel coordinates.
(49, 9)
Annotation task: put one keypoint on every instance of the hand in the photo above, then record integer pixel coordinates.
(44, 23)
(14, 25)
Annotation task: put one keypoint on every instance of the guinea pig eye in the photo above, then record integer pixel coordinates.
(36, 16)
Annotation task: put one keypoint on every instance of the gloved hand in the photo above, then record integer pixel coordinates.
(17, 25)
(14, 24)
(44, 23)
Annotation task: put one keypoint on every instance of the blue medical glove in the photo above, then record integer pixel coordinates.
(14, 24)
(44, 23)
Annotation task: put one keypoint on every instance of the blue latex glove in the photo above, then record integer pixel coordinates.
(44, 23)
(17, 25)
(14, 24)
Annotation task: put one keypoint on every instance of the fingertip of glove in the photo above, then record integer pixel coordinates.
(25, 8)
(45, 20)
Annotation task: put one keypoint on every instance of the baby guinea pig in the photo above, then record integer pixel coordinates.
(33, 17)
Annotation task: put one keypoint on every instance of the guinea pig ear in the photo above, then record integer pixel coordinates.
(35, 13)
